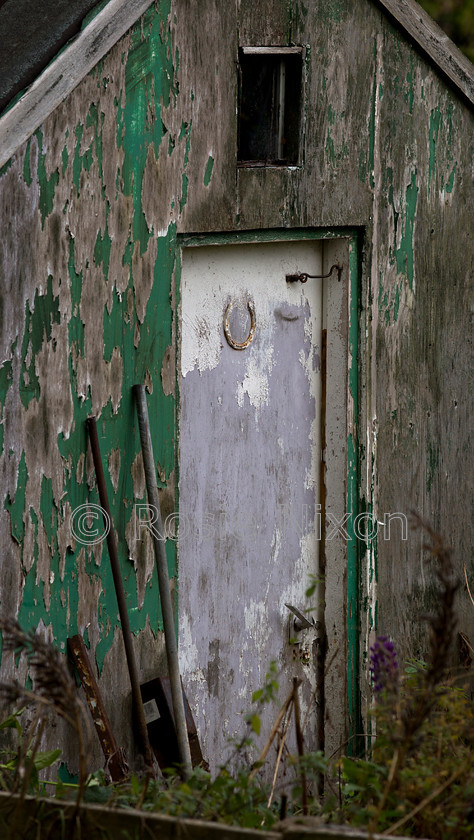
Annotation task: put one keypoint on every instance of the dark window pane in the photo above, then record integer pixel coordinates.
(270, 108)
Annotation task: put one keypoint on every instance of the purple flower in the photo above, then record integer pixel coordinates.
(383, 665)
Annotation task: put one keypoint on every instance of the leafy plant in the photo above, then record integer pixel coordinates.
(54, 691)
(418, 778)
(16, 764)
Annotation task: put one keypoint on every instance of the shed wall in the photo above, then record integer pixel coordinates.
(90, 208)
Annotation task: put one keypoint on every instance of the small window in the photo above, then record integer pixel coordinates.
(271, 97)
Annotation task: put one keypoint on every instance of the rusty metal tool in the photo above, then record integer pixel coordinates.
(116, 763)
(163, 583)
(124, 620)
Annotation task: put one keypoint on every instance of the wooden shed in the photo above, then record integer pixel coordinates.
(264, 213)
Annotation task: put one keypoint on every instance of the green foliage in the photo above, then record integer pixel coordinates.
(456, 17)
(417, 780)
(233, 799)
(434, 773)
(313, 585)
(425, 781)
(22, 762)
(266, 694)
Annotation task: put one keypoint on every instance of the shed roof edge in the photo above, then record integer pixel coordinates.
(102, 33)
(57, 81)
(433, 42)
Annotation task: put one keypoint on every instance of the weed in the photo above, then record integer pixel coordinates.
(418, 777)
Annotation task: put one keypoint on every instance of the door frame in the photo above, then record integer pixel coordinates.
(342, 614)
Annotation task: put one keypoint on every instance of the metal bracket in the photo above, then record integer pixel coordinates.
(303, 276)
(303, 632)
(301, 622)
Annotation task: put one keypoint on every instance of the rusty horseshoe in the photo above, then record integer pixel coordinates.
(235, 344)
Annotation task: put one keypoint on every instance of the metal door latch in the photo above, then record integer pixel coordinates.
(303, 276)
(303, 633)
(301, 622)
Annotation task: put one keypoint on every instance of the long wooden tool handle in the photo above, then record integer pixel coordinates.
(122, 605)
(164, 584)
(116, 764)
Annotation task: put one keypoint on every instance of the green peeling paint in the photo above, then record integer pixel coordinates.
(441, 123)
(396, 304)
(47, 185)
(435, 123)
(66, 777)
(335, 9)
(26, 165)
(405, 253)
(96, 121)
(450, 182)
(81, 161)
(150, 85)
(6, 167)
(65, 160)
(16, 505)
(38, 329)
(388, 301)
(185, 133)
(75, 325)
(330, 152)
(410, 91)
(103, 245)
(208, 172)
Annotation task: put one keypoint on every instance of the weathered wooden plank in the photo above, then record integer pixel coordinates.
(267, 22)
(434, 43)
(32, 816)
(271, 50)
(207, 116)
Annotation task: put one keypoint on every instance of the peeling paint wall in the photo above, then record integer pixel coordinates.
(91, 210)
(86, 266)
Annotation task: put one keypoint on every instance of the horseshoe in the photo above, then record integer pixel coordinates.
(235, 344)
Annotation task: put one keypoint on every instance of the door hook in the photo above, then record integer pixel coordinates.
(303, 276)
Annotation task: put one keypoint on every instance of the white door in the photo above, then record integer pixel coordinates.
(249, 478)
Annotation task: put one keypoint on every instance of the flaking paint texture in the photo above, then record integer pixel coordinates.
(90, 208)
(83, 319)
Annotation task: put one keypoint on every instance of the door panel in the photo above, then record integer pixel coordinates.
(249, 478)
